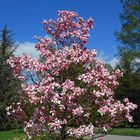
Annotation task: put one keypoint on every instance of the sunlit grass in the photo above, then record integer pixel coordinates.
(126, 131)
(12, 135)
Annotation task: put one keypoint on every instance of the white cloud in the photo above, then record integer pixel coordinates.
(113, 62)
(137, 60)
(107, 59)
(27, 48)
(102, 57)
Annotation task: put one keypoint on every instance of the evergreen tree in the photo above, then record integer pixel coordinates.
(8, 84)
(130, 24)
(129, 53)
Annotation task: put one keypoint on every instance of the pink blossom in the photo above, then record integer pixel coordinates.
(64, 89)
(83, 130)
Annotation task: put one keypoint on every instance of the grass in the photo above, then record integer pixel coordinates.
(19, 135)
(12, 135)
(125, 131)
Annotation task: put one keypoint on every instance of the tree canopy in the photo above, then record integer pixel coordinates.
(9, 85)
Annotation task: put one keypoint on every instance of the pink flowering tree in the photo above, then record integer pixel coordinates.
(66, 91)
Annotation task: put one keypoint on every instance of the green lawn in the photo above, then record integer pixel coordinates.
(12, 135)
(19, 135)
(126, 131)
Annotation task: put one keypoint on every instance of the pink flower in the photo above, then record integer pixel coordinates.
(67, 86)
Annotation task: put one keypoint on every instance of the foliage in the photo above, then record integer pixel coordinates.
(130, 21)
(9, 85)
(69, 91)
(129, 54)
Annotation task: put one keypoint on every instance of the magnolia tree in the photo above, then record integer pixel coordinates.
(66, 91)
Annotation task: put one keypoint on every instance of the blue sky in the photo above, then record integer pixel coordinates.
(24, 17)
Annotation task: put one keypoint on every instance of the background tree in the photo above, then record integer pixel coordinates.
(109, 67)
(9, 85)
(129, 54)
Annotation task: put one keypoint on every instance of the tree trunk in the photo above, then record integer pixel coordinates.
(63, 133)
